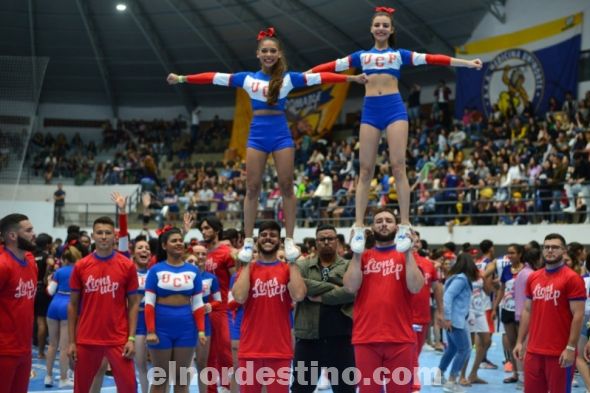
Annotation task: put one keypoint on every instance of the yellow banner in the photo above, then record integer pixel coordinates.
(524, 37)
(241, 124)
(312, 111)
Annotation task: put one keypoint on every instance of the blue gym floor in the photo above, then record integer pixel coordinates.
(427, 359)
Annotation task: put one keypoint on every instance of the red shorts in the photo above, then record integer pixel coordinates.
(15, 372)
(251, 378)
(89, 359)
(396, 358)
(543, 373)
(220, 356)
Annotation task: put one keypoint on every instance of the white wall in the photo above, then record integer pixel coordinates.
(41, 215)
(521, 14)
(74, 194)
(70, 111)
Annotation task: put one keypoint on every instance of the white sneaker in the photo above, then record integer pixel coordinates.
(324, 383)
(292, 252)
(403, 242)
(48, 381)
(357, 243)
(453, 387)
(245, 254)
(570, 209)
(66, 383)
(439, 379)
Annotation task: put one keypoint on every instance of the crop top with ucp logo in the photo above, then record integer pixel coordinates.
(382, 61)
(256, 84)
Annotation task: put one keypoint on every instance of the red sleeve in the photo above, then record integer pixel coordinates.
(132, 281)
(4, 274)
(150, 318)
(328, 77)
(199, 316)
(206, 78)
(527, 288)
(75, 284)
(123, 225)
(326, 67)
(230, 261)
(215, 305)
(576, 289)
(438, 60)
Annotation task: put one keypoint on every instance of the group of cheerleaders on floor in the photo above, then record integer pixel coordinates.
(383, 110)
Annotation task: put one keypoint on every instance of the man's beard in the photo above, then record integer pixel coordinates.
(24, 244)
(327, 253)
(557, 261)
(265, 253)
(383, 238)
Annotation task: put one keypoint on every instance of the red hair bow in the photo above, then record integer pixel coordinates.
(163, 230)
(387, 10)
(268, 33)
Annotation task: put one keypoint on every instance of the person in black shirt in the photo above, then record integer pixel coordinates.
(414, 103)
(59, 198)
(45, 264)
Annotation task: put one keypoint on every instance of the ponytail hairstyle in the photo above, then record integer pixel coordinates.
(278, 70)
(388, 12)
(71, 255)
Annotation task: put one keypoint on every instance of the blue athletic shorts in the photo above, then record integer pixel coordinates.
(207, 326)
(236, 324)
(58, 308)
(381, 111)
(141, 329)
(175, 327)
(270, 133)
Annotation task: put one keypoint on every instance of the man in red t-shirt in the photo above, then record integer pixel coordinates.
(266, 288)
(102, 313)
(384, 281)
(421, 304)
(552, 317)
(221, 263)
(18, 285)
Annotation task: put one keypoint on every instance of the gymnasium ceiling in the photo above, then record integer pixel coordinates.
(98, 55)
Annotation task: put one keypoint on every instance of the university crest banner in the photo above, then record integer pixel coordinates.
(311, 111)
(533, 65)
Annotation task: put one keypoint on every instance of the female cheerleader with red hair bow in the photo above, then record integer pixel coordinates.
(269, 132)
(383, 109)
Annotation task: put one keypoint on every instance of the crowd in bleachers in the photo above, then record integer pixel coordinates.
(507, 168)
(126, 144)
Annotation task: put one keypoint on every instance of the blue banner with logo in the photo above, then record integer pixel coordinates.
(530, 65)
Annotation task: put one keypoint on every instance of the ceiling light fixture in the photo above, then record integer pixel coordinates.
(121, 7)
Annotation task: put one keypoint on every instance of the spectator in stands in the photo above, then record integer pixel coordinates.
(414, 104)
(442, 96)
(59, 201)
(578, 183)
(457, 138)
(570, 106)
(195, 125)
